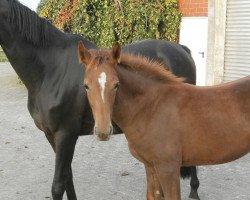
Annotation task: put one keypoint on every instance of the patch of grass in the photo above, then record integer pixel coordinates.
(3, 57)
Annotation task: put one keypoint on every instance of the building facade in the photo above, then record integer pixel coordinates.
(228, 40)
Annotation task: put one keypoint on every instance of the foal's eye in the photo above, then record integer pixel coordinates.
(86, 86)
(116, 86)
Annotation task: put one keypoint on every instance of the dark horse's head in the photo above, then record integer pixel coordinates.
(16, 18)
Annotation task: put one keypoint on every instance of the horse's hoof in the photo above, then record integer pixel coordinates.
(194, 198)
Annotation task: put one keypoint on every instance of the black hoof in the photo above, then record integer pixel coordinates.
(194, 195)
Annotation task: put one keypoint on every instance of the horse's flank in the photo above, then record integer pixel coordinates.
(215, 122)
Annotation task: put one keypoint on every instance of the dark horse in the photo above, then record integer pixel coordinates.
(46, 61)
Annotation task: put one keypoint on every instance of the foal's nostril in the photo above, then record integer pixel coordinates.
(103, 135)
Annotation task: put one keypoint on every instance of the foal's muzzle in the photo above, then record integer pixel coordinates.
(103, 135)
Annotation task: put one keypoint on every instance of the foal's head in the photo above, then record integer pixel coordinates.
(101, 83)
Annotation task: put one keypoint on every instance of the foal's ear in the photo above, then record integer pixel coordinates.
(116, 52)
(83, 54)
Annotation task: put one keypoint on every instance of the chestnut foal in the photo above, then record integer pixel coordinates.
(162, 117)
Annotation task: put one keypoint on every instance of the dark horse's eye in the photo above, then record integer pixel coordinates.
(116, 86)
(86, 86)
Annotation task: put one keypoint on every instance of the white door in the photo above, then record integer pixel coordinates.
(193, 34)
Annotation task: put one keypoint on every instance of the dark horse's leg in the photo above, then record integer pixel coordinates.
(63, 178)
(194, 183)
(186, 172)
(70, 189)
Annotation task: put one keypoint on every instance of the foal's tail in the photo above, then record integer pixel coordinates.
(185, 172)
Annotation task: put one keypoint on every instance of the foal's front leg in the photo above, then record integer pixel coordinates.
(154, 191)
(65, 146)
(169, 177)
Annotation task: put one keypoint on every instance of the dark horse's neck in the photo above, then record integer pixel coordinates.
(26, 38)
(33, 46)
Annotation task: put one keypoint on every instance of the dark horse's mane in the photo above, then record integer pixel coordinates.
(148, 68)
(33, 28)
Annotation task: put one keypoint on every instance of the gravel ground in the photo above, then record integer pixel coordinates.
(102, 170)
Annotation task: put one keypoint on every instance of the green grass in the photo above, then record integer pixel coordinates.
(3, 58)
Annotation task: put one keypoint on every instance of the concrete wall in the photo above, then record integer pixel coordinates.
(216, 41)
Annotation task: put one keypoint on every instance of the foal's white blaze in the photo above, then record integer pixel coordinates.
(102, 81)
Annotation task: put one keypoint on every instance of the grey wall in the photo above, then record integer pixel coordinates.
(216, 41)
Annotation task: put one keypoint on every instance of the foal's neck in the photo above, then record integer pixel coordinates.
(136, 96)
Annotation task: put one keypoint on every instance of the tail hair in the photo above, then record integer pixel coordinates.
(185, 172)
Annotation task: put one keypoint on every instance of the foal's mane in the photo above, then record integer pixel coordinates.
(148, 68)
(141, 65)
(31, 27)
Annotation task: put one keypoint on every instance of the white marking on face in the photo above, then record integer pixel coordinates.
(102, 82)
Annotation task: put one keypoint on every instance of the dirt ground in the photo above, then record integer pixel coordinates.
(102, 170)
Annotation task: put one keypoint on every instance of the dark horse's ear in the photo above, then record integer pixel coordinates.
(116, 52)
(83, 54)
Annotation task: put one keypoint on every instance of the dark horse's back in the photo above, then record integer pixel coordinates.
(177, 58)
